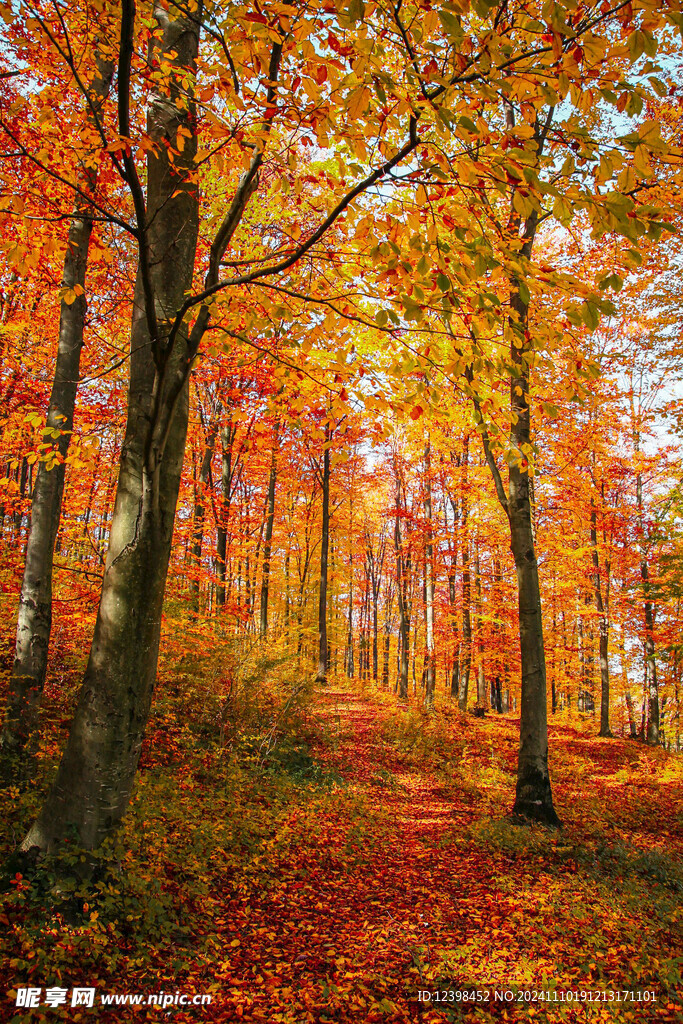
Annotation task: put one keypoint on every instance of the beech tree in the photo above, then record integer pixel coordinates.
(94, 781)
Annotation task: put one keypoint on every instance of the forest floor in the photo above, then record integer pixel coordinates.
(368, 859)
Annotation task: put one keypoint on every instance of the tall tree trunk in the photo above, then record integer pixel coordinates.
(265, 575)
(404, 630)
(287, 596)
(466, 585)
(651, 687)
(375, 635)
(533, 798)
(386, 655)
(324, 550)
(553, 667)
(35, 600)
(230, 475)
(603, 619)
(199, 513)
(455, 669)
(482, 702)
(430, 668)
(95, 777)
(402, 593)
(348, 654)
(533, 795)
(452, 573)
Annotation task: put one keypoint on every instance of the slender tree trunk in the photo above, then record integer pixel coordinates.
(95, 778)
(404, 630)
(533, 798)
(35, 601)
(324, 550)
(265, 575)
(221, 560)
(401, 590)
(603, 619)
(287, 597)
(375, 636)
(482, 703)
(199, 514)
(229, 475)
(452, 574)
(553, 687)
(348, 657)
(386, 654)
(430, 668)
(651, 687)
(414, 658)
(466, 584)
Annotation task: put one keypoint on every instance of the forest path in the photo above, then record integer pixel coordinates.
(396, 872)
(344, 929)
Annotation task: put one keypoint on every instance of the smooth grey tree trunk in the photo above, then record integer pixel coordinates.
(95, 778)
(34, 622)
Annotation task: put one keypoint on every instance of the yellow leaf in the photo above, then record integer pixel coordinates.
(358, 102)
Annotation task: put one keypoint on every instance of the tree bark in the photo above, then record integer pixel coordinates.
(34, 622)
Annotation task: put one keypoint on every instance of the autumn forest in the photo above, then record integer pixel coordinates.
(341, 510)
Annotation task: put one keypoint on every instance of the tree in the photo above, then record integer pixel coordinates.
(35, 601)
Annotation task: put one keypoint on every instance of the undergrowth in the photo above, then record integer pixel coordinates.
(227, 757)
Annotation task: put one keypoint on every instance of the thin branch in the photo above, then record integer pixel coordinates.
(131, 173)
(289, 261)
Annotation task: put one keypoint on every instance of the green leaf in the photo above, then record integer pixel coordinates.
(451, 24)
(590, 315)
(355, 11)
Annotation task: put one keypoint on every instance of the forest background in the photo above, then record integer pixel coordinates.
(340, 374)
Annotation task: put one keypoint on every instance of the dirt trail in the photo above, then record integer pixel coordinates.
(397, 881)
(349, 925)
